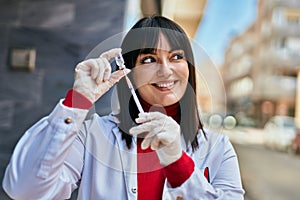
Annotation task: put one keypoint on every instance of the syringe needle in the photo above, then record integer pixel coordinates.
(120, 63)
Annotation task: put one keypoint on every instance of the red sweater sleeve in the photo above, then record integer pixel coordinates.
(178, 172)
(75, 99)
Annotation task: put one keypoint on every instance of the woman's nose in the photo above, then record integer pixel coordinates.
(165, 69)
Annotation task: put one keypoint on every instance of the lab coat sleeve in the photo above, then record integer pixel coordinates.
(226, 184)
(47, 160)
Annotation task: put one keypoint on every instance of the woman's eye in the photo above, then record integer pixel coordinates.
(178, 56)
(147, 60)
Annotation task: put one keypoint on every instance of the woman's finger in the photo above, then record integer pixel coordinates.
(143, 128)
(94, 68)
(117, 75)
(107, 70)
(102, 66)
(114, 78)
(146, 143)
(155, 143)
(111, 53)
(149, 116)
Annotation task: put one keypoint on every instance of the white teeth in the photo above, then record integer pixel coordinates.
(164, 85)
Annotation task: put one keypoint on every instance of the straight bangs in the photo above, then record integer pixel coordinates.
(176, 40)
(137, 41)
(143, 40)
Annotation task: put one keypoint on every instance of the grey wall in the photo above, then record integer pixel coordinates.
(63, 32)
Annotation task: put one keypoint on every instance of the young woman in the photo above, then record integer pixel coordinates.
(162, 153)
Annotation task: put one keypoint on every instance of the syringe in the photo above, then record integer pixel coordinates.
(120, 62)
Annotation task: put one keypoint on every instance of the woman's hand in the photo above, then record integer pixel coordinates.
(163, 135)
(93, 77)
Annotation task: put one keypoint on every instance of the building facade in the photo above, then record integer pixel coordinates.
(261, 65)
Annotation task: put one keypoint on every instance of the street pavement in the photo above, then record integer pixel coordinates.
(266, 174)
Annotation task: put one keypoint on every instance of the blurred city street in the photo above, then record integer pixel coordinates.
(266, 174)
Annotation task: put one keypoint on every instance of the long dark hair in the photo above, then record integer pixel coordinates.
(144, 36)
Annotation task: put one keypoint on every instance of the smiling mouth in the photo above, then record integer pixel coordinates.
(165, 85)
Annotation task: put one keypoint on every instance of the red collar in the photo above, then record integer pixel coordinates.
(172, 110)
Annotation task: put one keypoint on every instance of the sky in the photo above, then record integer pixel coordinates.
(222, 21)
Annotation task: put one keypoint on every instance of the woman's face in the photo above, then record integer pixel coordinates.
(161, 77)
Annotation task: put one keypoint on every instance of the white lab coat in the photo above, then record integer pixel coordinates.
(53, 158)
